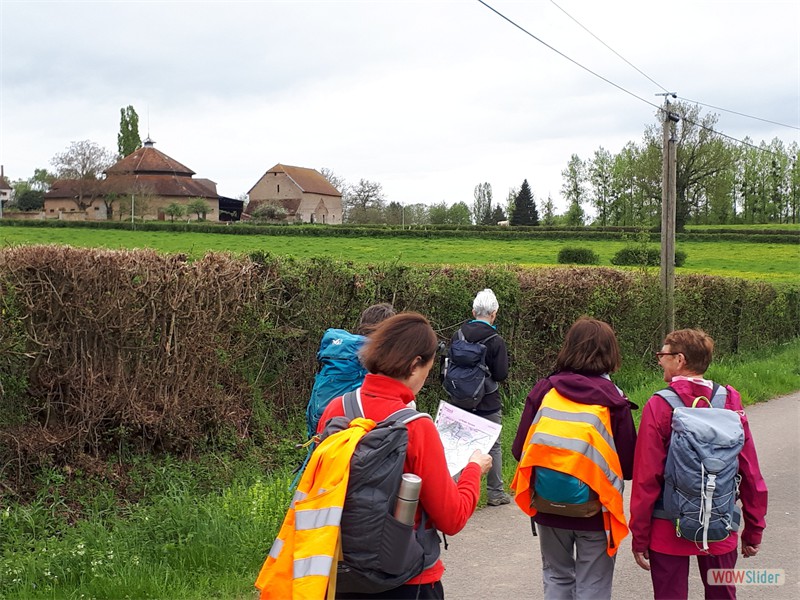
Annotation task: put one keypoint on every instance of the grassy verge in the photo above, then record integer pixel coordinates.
(202, 529)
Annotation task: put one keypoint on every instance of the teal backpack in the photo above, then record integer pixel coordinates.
(339, 372)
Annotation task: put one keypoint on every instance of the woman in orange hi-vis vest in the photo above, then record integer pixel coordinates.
(575, 443)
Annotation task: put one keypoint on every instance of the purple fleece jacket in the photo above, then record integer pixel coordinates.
(584, 389)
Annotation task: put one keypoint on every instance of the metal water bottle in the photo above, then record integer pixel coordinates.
(407, 498)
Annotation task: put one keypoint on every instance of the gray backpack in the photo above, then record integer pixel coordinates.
(701, 480)
(380, 552)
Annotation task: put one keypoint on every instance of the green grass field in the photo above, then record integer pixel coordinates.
(769, 262)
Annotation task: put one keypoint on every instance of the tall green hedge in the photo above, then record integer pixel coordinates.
(110, 348)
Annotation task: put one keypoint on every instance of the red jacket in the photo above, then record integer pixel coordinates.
(448, 504)
(585, 389)
(655, 430)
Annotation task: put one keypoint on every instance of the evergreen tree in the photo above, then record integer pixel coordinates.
(128, 140)
(498, 215)
(524, 207)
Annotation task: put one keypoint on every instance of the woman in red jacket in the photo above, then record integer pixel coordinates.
(399, 354)
(684, 357)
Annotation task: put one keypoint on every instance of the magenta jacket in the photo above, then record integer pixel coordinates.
(648, 477)
(584, 389)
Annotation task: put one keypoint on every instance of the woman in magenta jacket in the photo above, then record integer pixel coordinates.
(684, 357)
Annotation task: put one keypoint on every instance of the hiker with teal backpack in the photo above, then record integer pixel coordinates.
(476, 362)
(399, 355)
(575, 445)
(695, 458)
(339, 369)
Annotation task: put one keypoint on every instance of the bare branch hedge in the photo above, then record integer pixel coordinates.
(102, 350)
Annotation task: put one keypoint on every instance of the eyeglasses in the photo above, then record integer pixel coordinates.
(660, 354)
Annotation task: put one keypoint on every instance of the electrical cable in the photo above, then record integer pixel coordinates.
(740, 114)
(610, 48)
(619, 87)
(576, 63)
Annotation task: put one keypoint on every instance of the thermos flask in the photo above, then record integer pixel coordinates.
(407, 498)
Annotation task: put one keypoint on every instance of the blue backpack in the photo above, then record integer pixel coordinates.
(339, 372)
(701, 474)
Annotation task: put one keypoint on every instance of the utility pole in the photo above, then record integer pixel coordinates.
(668, 206)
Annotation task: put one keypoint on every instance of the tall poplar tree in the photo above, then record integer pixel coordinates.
(128, 140)
(574, 191)
(482, 206)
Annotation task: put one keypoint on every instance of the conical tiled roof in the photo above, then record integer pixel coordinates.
(149, 161)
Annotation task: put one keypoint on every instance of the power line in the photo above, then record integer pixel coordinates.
(576, 63)
(609, 47)
(740, 114)
(714, 131)
(661, 86)
(619, 87)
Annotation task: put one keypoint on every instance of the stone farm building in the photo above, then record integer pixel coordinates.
(304, 194)
(147, 177)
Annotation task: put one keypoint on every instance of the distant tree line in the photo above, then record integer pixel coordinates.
(719, 181)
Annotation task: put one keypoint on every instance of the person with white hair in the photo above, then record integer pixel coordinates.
(482, 329)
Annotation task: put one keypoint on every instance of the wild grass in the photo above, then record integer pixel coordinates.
(179, 543)
(769, 262)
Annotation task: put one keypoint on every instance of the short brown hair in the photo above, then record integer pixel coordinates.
(392, 348)
(696, 346)
(590, 347)
(373, 315)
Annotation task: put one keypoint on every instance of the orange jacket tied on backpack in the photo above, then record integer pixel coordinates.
(576, 439)
(300, 561)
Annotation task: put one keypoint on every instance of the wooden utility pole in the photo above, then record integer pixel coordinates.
(668, 204)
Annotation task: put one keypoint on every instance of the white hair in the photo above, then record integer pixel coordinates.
(485, 303)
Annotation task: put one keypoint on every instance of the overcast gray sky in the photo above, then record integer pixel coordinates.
(428, 98)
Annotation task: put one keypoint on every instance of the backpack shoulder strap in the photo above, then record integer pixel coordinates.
(719, 396)
(671, 397)
(486, 339)
(406, 415)
(351, 404)
(461, 335)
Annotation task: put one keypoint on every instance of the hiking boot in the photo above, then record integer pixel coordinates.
(499, 500)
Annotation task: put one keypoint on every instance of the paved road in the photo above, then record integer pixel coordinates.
(496, 558)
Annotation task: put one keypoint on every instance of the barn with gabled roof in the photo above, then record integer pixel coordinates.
(304, 194)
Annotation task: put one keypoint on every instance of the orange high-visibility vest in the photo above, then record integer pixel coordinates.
(300, 561)
(576, 439)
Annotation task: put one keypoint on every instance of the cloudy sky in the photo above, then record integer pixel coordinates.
(427, 97)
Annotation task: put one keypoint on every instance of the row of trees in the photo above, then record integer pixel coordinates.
(719, 181)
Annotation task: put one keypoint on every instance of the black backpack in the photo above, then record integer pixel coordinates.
(465, 376)
(380, 552)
